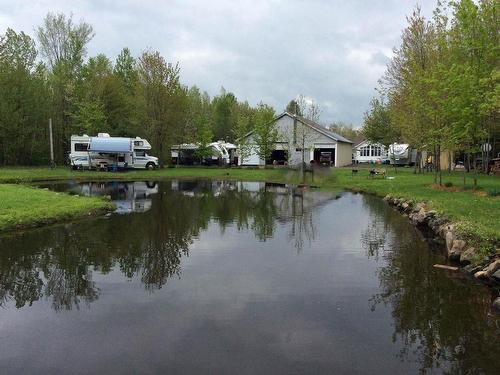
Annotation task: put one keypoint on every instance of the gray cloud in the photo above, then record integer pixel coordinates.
(332, 51)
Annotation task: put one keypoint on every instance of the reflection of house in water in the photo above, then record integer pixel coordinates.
(199, 188)
(290, 201)
(128, 196)
(291, 206)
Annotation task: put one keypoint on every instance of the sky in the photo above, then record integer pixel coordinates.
(332, 51)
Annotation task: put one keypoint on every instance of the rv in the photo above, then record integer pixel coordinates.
(402, 154)
(186, 153)
(104, 152)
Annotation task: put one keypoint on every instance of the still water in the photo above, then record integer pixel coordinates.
(198, 277)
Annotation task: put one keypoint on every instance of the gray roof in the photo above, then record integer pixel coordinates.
(321, 129)
(312, 124)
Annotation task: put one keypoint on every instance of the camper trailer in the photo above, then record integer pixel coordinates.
(402, 154)
(186, 153)
(104, 152)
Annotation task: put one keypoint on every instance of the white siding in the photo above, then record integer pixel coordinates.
(313, 139)
(372, 157)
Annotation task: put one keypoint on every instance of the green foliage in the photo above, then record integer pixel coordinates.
(265, 133)
(294, 108)
(132, 97)
(125, 69)
(23, 101)
(378, 127)
(442, 85)
(224, 115)
(494, 192)
(346, 130)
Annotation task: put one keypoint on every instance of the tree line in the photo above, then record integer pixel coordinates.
(441, 89)
(50, 76)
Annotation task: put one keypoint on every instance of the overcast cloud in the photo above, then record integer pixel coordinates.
(332, 51)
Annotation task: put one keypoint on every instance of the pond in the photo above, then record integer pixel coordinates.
(225, 277)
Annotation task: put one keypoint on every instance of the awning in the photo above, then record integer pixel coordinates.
(114, 144)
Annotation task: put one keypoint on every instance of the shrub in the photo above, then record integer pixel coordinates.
(495, 192)
(448, 184)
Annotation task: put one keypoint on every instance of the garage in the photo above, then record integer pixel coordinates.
(324, 156)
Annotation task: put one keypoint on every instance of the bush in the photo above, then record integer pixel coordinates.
(495, 192)
(448, 184)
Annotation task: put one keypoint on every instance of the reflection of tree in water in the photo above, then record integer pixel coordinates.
(59, 272)
(440, 320)
(302, 226)
(57, 263)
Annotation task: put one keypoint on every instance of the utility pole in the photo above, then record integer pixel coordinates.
(52, 164)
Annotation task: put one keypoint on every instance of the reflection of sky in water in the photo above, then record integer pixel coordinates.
(247, 297)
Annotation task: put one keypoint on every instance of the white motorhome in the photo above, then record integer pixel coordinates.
(103, 151)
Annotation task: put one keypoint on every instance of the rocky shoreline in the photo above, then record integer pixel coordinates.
(457, 250)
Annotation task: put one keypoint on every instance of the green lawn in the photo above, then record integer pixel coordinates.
(476, 214)
(24, 206)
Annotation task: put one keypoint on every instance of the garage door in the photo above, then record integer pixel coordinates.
(252, 159)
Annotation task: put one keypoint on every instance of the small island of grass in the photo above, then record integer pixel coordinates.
(24, 206)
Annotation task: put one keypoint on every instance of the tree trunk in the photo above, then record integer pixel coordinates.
(438, 159)
(435, 165)
(474, 185)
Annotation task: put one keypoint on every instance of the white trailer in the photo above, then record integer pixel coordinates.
(220, 153)
(103, 152)
(402, 154)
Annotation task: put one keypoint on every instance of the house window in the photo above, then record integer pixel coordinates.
(365, 151)
(81, 146)
(375, 151)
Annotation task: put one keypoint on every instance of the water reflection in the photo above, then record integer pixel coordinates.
(129, 197)
(251, 277)
(442, 319)
(57, 262)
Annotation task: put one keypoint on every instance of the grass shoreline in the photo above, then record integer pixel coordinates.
(475, 214)
(23, 207)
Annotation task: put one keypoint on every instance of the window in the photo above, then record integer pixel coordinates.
(138, 143)
(140, 153)
(365, 151)
(81, 146)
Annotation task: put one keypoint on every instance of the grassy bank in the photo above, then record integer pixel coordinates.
(24, 206)
(26, 175)
(476, 213)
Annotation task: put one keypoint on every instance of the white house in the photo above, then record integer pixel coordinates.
(298, 136)
(367, 152)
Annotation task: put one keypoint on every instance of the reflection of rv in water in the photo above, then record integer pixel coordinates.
(186, 154)
(103, 152)
(402, 154)
(128, 196)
